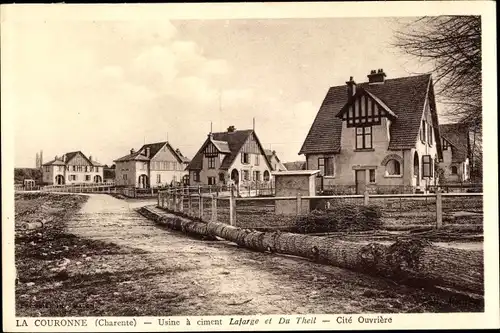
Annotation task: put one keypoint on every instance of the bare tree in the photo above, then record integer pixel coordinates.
(452, 46)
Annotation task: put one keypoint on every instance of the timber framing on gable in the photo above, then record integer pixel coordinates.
(364, 109)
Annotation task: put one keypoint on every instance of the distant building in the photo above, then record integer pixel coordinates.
(274, 160)
(456, 152)
(153, 165)
(109, 174)
(377, 134)
(235, 155)
(72, 168)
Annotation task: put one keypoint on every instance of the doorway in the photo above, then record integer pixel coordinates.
(143, 181)
(360, 180)
(235, 176)
(60, 180)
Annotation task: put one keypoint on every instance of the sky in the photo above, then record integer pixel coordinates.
(106, 86)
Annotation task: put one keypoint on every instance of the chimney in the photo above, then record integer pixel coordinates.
(351, 87)
(132, 151)
(90, 158)
(64, 158)
(376, 76)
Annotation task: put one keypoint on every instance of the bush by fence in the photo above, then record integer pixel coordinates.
(341, 217)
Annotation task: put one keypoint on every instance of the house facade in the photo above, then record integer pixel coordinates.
(153, 165)
(274, 160)
(456, 151)
(381, 135)
(235, 156)
(72, 168)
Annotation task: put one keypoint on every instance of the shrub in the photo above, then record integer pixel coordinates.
(341, 217)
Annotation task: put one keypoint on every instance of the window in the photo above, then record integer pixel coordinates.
(393, 168)
(211, 180)
(426, 166)
(158, 178)
(325, 165)
(125, 177)
(257, 160)
(445, 144)
(72, 177)
(222, 177)
(87, 178)
(372, 175)
(196, 176)
(266, 176)
(211, 162)
(364, 138)
(47, 168)
(257, 176)
(429, 135)
(246, 175)
(96, 169)
(74, 167)
(422, 131)
(245, 158)
(91, 169)
(454, 170)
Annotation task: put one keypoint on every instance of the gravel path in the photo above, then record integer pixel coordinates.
(218, 278)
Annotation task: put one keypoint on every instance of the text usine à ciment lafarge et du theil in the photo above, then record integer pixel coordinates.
(231, 321)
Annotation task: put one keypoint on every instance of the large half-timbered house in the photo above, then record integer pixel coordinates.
(380, 135)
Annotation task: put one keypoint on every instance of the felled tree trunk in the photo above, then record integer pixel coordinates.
(406, 261)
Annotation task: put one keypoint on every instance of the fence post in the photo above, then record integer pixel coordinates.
(181, 203)
(439, 209)
(175, 201)
(366, 198)
(190, 204)
(158, 198)
(232, 207)
(299, 204)
(214, 208)
(200, 204)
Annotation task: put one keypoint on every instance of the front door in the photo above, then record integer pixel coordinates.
(360, 179)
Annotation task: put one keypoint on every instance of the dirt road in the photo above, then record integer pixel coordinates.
(215, 277)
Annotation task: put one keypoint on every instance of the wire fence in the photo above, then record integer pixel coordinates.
(397, 210)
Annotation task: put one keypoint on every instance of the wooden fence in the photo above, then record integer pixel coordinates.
(235, 210)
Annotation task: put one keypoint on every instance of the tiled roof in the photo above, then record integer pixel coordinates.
(54, 162)
(403, 96)
(222, 146)
(457, 136)
(68, 157)
(153, 150)
(234, 140)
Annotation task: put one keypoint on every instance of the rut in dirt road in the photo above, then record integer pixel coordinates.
(218, 278)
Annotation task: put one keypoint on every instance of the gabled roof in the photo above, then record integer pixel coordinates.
(154, 148)
(234, 141)
(270, 153)
(68, 157)
(54, 162)
(363, 92)
(457, 135)
(405, 97)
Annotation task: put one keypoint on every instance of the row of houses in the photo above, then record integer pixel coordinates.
(382, 132)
